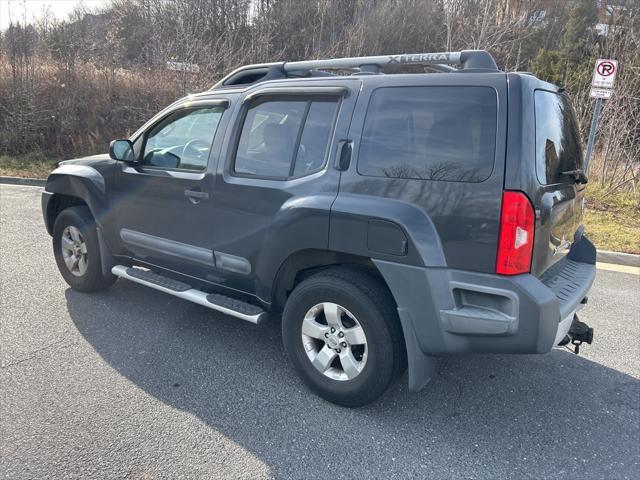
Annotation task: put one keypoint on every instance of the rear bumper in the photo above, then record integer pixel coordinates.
(445, 311)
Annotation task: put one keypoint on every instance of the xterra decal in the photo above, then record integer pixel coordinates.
(419, 58)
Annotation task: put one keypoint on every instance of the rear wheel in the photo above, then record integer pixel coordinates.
(77, 251)
(341, 332)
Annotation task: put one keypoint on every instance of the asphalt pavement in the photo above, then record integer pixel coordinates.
(133, 383)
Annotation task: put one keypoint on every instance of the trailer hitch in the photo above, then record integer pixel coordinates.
(579, 333)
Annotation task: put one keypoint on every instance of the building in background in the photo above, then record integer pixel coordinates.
(541, 11)
(609, 13)
(528, 11)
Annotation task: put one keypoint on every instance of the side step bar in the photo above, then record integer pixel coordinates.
(221, 303)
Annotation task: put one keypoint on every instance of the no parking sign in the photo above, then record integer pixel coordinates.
(605, 73)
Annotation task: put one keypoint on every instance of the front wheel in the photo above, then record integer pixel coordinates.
(340, 330)
(77, 250)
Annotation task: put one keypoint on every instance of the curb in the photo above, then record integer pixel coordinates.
(604, 256)
(618, 258)
(34, 182)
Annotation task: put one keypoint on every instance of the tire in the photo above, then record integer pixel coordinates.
(75, 228)
(360, 373)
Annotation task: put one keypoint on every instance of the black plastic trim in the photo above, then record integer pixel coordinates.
(168, 247)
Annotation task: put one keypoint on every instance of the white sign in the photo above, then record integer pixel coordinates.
(183, 67)
(601, 92)
(605, 73)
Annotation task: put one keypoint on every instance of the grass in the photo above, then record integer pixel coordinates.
(612, 220)
(27, 166)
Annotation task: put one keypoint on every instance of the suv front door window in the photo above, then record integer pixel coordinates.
(183, 140)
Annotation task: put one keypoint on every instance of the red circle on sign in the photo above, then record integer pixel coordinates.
(606, 69)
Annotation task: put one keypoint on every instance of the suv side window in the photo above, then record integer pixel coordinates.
(558, 147)
(183, 139)
(285, 138)
(430, 133)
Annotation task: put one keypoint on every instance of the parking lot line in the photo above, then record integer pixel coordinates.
(618, 268)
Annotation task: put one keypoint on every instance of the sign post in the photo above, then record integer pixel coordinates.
(604, 75)
(592, 134)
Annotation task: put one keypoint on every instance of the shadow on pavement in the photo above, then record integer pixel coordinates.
(518, 416)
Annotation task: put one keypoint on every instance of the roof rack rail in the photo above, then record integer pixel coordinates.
(249, 74)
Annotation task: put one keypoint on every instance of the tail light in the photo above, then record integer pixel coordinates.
(515, 243)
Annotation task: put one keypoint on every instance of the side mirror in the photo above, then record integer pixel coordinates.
(121, 150)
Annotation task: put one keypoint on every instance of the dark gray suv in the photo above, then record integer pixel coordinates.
(388, 218)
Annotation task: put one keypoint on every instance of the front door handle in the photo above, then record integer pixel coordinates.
(195, 195)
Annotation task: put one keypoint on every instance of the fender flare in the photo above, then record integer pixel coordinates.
(83, 182)
(87, 184)
(354, 218)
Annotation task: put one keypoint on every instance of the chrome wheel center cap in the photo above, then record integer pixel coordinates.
(333, 341)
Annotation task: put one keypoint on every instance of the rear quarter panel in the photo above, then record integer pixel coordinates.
(447, 223)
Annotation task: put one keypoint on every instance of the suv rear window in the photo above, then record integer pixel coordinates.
(430, 133)
(558, 147)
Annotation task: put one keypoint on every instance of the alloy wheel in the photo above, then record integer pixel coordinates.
(334, 341)
(74, 251)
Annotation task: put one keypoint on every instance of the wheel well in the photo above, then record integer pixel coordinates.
(303, 264)
(57, 204)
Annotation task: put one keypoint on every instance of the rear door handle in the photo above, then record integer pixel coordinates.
(343, 155)
(196, 195)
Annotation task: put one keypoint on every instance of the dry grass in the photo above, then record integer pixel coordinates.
(612, 220)
(29, 166)
(44, 108)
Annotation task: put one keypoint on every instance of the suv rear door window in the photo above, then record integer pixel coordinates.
(314, 141)
(430, 133)
(558, 147)
(283, 139)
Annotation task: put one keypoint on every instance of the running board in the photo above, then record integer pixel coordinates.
(215, 301)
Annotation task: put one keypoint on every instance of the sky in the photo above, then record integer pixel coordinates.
(16, 9)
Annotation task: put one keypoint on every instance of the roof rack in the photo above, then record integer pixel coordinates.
(250, 74)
